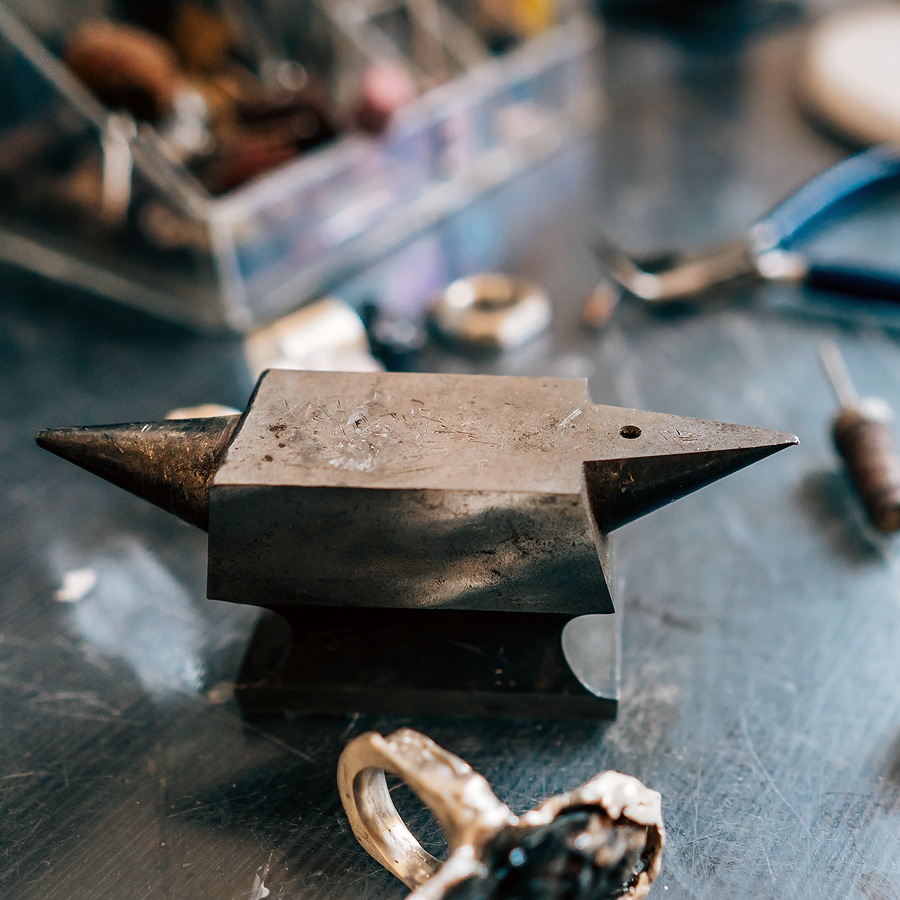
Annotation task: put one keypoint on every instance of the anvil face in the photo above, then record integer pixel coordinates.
(445, 491)
(392, 431)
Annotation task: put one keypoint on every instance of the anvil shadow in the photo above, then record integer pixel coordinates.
(836, 513)
(892, 772)
(495, 643)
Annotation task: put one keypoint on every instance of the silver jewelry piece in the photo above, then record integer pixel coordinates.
(602, 840)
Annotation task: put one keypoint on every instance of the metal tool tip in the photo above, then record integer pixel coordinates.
(838, 377)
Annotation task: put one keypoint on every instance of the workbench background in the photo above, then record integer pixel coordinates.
(761, 618)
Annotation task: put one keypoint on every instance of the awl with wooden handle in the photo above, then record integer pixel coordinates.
(862, 436)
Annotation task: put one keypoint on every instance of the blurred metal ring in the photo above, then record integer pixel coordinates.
(492, 310)
(607, 832)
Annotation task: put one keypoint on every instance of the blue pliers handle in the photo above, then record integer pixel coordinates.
(817, 198)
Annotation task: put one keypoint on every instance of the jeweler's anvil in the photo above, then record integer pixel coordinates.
(427, 537)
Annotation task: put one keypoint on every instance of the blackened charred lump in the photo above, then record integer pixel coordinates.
(581, 855)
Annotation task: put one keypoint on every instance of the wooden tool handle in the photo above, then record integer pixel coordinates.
(867, 448)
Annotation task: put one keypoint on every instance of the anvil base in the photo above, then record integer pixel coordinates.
(431, 662)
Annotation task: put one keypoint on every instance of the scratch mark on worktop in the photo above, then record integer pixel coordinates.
(85, 697)
(765, 772)
(707, 836)
(284, 745)
(223, 801)
(44, 701)
(14, 812)
(345, 735)
(89, 717)
(765, 853)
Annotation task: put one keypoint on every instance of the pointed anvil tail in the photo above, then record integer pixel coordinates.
(671, 457)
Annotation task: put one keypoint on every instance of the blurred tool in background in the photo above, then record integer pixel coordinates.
(764, 252)
(862, 436)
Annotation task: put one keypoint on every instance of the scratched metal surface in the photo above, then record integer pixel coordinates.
(760, 663)
(483, 433)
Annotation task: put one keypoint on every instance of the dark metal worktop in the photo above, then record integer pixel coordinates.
(761, 617)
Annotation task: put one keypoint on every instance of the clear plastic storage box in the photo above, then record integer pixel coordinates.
(134, 226)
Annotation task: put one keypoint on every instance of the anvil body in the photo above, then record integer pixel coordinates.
(432, 492)
(434, 541)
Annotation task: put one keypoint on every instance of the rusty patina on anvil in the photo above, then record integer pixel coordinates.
(391, 513)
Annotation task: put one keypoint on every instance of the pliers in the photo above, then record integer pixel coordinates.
(764, 250)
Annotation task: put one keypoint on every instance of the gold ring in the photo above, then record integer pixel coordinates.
(602, 840)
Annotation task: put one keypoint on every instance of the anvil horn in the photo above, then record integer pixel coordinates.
(168, 463)
(622, 490)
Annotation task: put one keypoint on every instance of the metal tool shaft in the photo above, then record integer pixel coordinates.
(838, 376)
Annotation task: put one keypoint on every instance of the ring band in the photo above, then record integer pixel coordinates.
(480, 830)
(461, 800)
